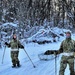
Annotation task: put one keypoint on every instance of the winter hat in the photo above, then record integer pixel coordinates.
(67, 34)
(14, 36)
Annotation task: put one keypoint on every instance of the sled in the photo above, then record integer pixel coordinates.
(48, 55)
(42, 56)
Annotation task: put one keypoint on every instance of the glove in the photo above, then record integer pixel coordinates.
(6, 43)
(22, 47)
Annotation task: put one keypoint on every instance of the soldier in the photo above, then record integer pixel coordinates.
(15, 45)
(67, 49)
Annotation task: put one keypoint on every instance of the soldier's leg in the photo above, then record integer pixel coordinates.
(63, 65)
(13, 59)
(16, 58)
(71, 66)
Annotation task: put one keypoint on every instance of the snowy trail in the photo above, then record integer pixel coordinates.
(42, 67)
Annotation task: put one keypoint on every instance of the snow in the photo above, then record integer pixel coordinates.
(10, 23)
(3, 32)
(42, 67)
(33, 49)
(27, 68)
(47, 34)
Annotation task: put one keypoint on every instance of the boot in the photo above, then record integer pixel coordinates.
(13, 66)
(13, 63)
(18, 64)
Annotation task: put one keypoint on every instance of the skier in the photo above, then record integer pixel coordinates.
(15, 45)
(67, 49)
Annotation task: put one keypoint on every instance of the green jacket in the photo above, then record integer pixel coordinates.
(15, 44)
(68, 45)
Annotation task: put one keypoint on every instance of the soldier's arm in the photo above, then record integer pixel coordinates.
(74, 46)
(60, 49)
(19, 45)
(8, 44)
(74, 49)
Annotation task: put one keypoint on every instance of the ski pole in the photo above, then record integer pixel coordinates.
(55, 65)
(3, 54)
(29, 58)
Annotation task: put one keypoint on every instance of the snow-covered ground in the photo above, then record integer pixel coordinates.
(33, 49)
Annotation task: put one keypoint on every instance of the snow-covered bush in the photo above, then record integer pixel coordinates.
(47, 36)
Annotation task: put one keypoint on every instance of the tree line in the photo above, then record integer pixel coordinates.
(36, 12)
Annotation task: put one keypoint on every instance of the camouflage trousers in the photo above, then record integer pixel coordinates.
(64, 61)
(14, 57)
